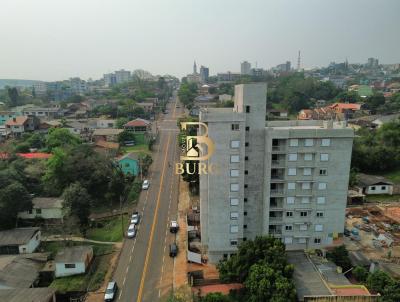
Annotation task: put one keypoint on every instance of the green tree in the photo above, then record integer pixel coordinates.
(77, 200)
(13, 96)
(215, 297)
(340, 256)
(126, 136)
(59, 137)
(187, 92)
(121, 122)
(391, 292)
(375, 101)
(377, 281)
(265, 283)
(13, 199)
(360, 273)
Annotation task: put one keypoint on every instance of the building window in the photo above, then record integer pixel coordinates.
(246, 144)
(309, 142)
(290, 200)
(324, 156)
(383, 188)
(247, 109)
(322, 186)
(69, 265)
(244, 238)
(30, 212)
(373, 188)
(320, 214)
(291, 186)
(235, 144)
(305, 185)
(244, 199)
(288, 227)
(303, 214)
(234, 187)
(246, 186)
(247, 128)
(294, 142)
(323, 172)
(317, 240)
(292, 171)
(319, 227)
(325, 142)
(246, 158)
(234, 242)
(234, 201)
(321, 200)
(245, 226)
(303, 227)
(292, 156)
(307, 171)
(246, 172)
(235, 158)
(38, 211)
(234, 173)
(289, 214)
(305, 200)
(234, 228)
(245, 213)
(234, 215)
(288, 240)
(308, 157)
(225, 256)
(235, 127)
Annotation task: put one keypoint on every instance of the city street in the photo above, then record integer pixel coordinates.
(145, 270)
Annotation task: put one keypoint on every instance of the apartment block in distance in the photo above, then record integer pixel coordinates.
(284, 178)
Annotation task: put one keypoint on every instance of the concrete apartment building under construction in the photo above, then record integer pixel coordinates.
(285, 178)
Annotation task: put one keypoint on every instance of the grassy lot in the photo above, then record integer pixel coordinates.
(393, 176)
(141, 148)
(110, 230)
(54, 246)
(382, 198)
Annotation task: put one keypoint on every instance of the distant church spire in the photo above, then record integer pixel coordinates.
(194, 67)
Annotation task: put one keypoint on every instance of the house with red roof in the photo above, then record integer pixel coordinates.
(138, 125)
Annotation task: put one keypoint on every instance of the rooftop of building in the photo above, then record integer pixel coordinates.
(73, 254)
(17, 121)
(42, 294)
(47, 202)
(17, 236)
(307, 124)
(107, 131)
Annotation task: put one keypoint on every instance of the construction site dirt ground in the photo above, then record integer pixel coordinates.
(382, 219)
(182, 267)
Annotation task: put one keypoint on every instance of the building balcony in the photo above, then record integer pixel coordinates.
(279, 148)
(276, 192)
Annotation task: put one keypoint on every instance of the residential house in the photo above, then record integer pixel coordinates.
(225, 97)
(373, 184)
(41, 294)
(21, 271)
(106, 135)
(106, 148)
(43, 113)
(105, 123)
(138, 125)
(383, 119)
(21, 124)
(19, 240)
(44, 126)
(129, 164)
(346, 109)
(147, 106)
(73, 260)
(47, 208)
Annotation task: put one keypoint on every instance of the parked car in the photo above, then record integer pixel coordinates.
(131, 231)
(173, 250)
(135, 218)
(146, 184)
(111, 291)
(174, 226)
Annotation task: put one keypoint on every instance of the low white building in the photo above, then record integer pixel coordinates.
(19, 241)
(48, 208)
(372, 185)
(73, 260)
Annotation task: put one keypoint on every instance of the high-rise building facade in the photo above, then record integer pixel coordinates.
(284, 178)
(204, 73)
(122, 76)
(245, 68)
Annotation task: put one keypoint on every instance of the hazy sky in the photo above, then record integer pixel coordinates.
(58, 39)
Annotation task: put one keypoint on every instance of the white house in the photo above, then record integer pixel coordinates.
(73, 260)
(48, 208)
(372, 184)
(19, 240)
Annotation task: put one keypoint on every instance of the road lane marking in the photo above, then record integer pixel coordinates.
(146, 262)
(120, 294)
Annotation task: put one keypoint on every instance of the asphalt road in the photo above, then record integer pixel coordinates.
(145, 270)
